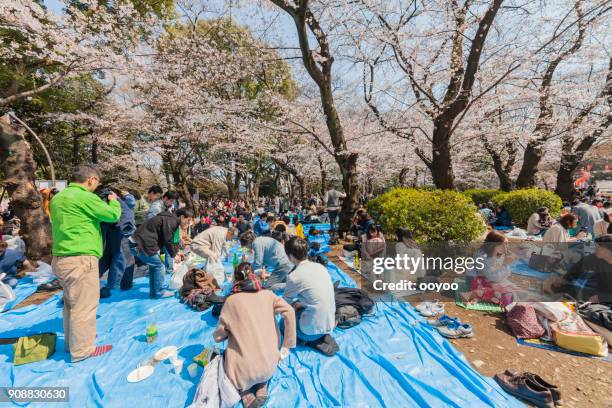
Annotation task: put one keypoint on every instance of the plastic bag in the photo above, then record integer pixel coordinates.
(7, 295)
(43, 274)
(176, 281)
(217, 270)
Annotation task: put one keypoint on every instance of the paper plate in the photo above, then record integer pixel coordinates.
(164, 353)
(141, 373)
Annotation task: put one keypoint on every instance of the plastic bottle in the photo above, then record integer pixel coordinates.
(151, 330)
(235, 260)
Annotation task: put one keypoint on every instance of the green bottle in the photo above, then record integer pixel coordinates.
(235, 260)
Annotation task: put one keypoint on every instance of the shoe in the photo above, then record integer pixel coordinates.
(554, 390)
(430, 309)
(105, 293)
(424, 305)
(456, 330)
(523, 387)
(326, 345)
(258, 402)
(443, 321)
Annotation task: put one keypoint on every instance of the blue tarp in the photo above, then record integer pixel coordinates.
(522, 268)
(392, 359)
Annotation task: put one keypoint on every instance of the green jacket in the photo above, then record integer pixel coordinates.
(76, 215)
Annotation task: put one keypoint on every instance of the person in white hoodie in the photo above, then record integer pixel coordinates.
(310, 291)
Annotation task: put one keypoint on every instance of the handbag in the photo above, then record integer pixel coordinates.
(544, 263)
(30, 349)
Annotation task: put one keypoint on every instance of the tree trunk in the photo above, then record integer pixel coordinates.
(26, 202)
(350, 183)
(440, 164)
(76, 148)
(94, 151)
(302, 185)
(403, 177)
(323, 176)
(531, 159)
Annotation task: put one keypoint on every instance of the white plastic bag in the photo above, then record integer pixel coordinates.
(7, 295)
(217, 270)
(176, 281)
(43, 274)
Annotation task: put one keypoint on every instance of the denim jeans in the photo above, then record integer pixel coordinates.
(168, 261)
(300, 334)
(333, 218)
(113, 259)
(128, 276)
(156, 271)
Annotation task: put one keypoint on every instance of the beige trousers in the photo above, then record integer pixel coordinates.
(79, 277)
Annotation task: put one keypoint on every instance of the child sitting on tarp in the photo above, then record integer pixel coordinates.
(491, 284)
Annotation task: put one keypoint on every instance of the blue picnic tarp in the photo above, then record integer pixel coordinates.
(393, 358)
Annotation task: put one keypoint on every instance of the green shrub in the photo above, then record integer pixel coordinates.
(438, 215)
(481, 196)
(522, 203)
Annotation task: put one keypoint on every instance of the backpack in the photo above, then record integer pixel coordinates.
(347, 317)
(126, 222)
(348, 299)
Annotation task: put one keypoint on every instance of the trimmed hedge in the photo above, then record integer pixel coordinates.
(522, 203)
(481, 196)
(439, 215)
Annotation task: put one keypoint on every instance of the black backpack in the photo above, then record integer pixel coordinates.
(349, 300)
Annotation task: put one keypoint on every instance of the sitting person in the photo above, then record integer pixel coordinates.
(406, 245)
(311, 293)
(491, 283)
(242, 224)
(261, 226)
(248, 323)
(539, 222)
(12, 263)
(269, 254)
(486, 213)
(604, 226)
(363, 223)
(502, 217)
(559, 232)
(201, 226)
(595, 268)
(374, 243)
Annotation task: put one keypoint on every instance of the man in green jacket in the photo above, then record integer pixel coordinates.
(76, 214)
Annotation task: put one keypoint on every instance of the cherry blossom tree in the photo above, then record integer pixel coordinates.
(318, 62)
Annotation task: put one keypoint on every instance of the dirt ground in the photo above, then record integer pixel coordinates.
(584, 382)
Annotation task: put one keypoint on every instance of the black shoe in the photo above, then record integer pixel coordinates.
(326, 345)
(105, 293)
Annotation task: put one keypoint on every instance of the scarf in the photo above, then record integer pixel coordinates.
(250, 284)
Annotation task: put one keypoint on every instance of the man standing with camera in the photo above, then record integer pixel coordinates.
(76, 214)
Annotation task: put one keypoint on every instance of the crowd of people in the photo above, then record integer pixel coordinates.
(108, 235)
(101, 232)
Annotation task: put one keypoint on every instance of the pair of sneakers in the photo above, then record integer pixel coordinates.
(452, 327)
(430, 309)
